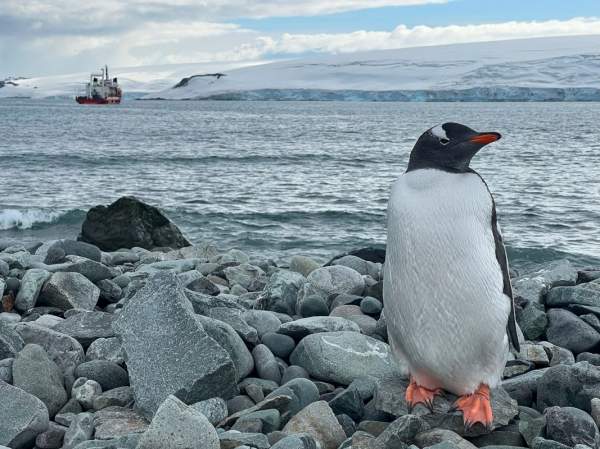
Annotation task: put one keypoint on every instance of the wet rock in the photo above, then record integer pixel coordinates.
(30, 288)
(214, 409)
(571, 426)
(568, 385)
(128, 223)
(35, 373)
(10, 341)
(86, 326)
(22, 417)
(566, 330)
(158, 328)
(280, 345)
(281, 292)
(108, 374)
(318, 420)
(80, 429)
(340, 357)
(301, 328)
(333, 280)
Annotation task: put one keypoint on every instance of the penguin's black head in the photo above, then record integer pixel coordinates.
(448, 147)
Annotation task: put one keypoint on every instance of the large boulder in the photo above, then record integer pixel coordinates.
(571, 426)
(69, 291)
(127, 223)
(568, 385)
(22, 417)
(567, 330)
(168, 350)
(35, 373)
(335, 280)
(341, 357)
(176, 425)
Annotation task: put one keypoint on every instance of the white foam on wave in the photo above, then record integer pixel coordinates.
(25, 219)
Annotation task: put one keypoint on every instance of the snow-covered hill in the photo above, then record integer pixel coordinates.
(558, 68)
(528, 69)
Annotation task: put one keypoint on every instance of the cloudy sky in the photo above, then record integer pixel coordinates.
(42, 37)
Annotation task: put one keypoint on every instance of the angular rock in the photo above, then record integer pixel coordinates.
(567, 330)
(571, 426)
(158, 328)
(108, 349)
(533, 321)
(108, 374)
(6, 370)
(250, 277)
(214, 409)
(109, 291)
(568, 385)
(80, 429)
(432, 437)
(349, 403)
(232, 439)
(35, 373)
(302, 393)
(403, 430)
(31, 285)
(69, 291)
(582, 294)
(127, 223)
(523, 388)
(114, 422)
(176, 426)
(51, 438)
(533, 287)
(120, 397)
(10, 341)
(301, 328)
(22, 417)
(85, 391)
(86, 326)
(340, 357)
(296, 441)
(317, 420)
(333, 280)
(281, 292)
(235, 319)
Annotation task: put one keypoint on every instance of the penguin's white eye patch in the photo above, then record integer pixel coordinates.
(440, 133)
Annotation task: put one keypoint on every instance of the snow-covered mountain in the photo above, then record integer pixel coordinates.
(527, 69)
(558, 68)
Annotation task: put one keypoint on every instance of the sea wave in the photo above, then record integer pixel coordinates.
(36, 218)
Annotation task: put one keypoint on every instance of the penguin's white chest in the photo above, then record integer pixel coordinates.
(444, 304)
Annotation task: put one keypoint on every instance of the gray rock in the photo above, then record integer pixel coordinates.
(35, 373)
(533, 287)
(51, 438)
(531, 426)
(349, 403)
(265, 363)
(566, 330)
(371, 306)
(301, 328)
(593, 359)
(313, 305)
(126, 442)
(69, 291)
(302, 392)
(22, 417)
(281, 292)
(534, 353)
(595, 412)
(158, 327)
(81, 429)
(333, 280)
(250, 277)
(10, 341)
(239, 403)
(86, 326)
(346, 310)
(114, 422)
(402, 430)
(108, 374)
(280, 345)
(232, 439)
(340, 357)
(127, 223)
(317, 420)
(6, 370)
(108, 349)
(31, 285)
(432, 437)
(533, 321)
(214, 409)
(542, 443)
(557, 354)
(262, 320)
(583, 294)
(109, 291)
(270, 420)
(523, 388)
(568, 385)
(235, 319)
(303, 265)
(64, 350)
(296, 441)
(294, 372)
(85, 391)
(362, 266)
(176, 425)
(233, 255)
(120, 396)
(571, 426)
(4, 268)
(229, 340)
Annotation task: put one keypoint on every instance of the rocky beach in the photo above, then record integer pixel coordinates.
(132, 337)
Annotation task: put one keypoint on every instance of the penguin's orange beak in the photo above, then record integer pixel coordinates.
(485, 138)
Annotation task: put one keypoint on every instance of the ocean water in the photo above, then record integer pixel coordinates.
(284, 178)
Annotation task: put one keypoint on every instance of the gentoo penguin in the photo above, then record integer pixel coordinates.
(447, 292)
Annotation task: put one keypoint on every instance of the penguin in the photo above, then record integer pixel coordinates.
(447, 292)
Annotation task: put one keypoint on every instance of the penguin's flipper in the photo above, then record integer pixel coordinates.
(511, 326)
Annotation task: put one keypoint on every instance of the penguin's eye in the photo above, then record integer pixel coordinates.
(444, 141)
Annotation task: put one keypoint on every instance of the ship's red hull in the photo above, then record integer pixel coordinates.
(88, 100)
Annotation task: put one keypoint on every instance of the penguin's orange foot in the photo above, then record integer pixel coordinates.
(476, 407)
(417, 394)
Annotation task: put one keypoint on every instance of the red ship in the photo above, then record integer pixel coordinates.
(101, 89)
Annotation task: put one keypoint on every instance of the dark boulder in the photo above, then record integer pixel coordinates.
(128, 222)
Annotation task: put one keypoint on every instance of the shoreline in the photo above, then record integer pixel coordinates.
(111, 345)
